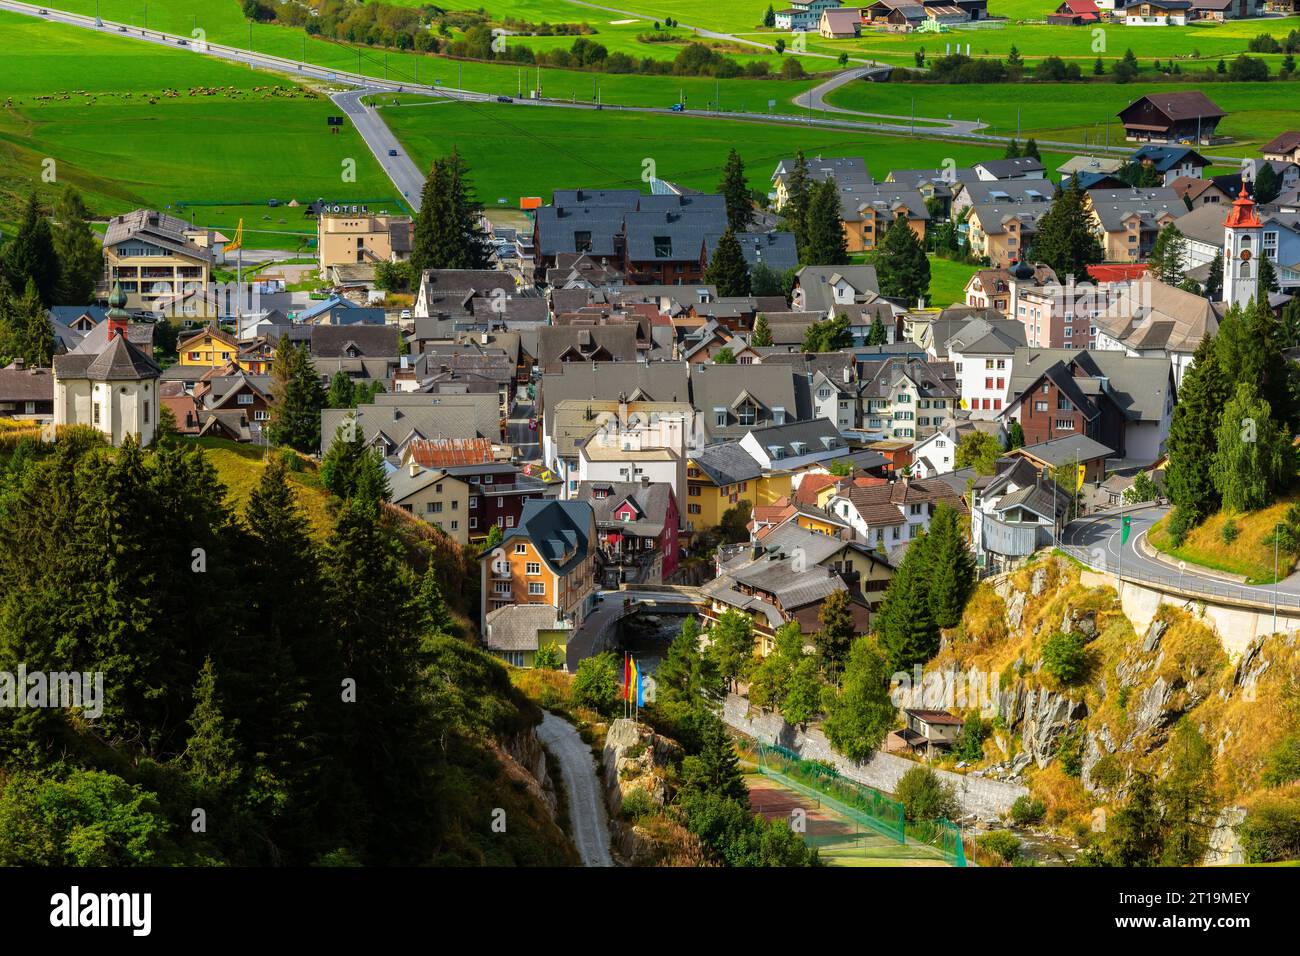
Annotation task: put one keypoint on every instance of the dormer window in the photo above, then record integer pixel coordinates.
(747, 414)
(778, 415)
(663, 247)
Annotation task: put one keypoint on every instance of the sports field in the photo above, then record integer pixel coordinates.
(839, 840)
(117, 122)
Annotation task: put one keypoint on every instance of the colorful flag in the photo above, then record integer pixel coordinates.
(640, 687)
(1124, 536)
(627, 677)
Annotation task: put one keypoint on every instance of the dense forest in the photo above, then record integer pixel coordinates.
(272, 695)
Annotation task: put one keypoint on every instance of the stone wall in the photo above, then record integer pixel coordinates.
(983, 798)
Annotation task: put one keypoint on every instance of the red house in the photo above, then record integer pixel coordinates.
(637, 527)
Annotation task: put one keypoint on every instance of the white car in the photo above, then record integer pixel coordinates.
(406, 313)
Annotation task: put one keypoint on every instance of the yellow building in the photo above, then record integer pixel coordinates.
(161, 262)
(720, 477)
(353, 236)
(210, 347)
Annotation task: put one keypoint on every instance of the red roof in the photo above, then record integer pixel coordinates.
(809, 487)
(448, 452)
(1083, 6)
(1242, 215)
(1118, 272)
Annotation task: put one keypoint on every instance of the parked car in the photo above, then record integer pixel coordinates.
(406, 313)
(679, 108)
(505, 99)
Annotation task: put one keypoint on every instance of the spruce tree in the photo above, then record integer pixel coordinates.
(1267, 185)
(297, 398)
(1214, 281)
(905, 624)
(1165, 262)
(81, 256)
(446, 233)
(1266, 281)
(1187, 794)
(212, 752)
(728, 270)
(1031, 149)
(798, 189)
(902, 267)
(825, 243)
(1191, 436)
(25, 328)
(716, 768)
(762, 337)
(1013, 150)
(436, 618)
(735, 190)
(1064, 239)
(30, 255)
(342, 392)
(952, 577)
(877, 335)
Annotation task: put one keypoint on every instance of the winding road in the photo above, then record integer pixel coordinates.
(587, 822)
(1096, 541)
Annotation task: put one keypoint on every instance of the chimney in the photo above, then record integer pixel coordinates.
(414, 467)
(18, 362)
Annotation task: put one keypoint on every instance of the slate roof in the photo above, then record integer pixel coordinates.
(1165, 158)
(119, 361)
(1138, 386)
(1066, 450)
(884, 198)
(158, 228)
(815, 435)
(726, 463)
(650, 381)
(723, 386)
(334, 341)
(845, 170)
(1006, 168)
(1009, 191)
(556, 341)
(514, 627)
(559, 530)
(26, 384)
(650, 499)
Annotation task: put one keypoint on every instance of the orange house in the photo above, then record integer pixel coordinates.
(547, 558)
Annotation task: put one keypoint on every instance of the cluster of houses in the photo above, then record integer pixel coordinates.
(1160, 13)
(604, 416)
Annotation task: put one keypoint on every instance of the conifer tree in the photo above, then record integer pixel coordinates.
(905, 624)
(25, 328)
(715, 770)
(824, 243)
(902, 267)
(446, 233)
(1165, 262)
(212, 751)
(1191, 436)
(735, 190)
(30, 255)
(297, 398)
(436, 618)
(728, 270)
(1214, 281)
(1253, 459)
(877, 335)
(835, 636)
(81, 256)
(342, 392)
(762, 337)
(1065, 240)
(952, 577)
(794, 214)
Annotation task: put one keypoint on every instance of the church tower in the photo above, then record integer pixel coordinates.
(1243, 239)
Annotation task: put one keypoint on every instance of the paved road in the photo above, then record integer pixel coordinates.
(1096, 542)
(405, 175)
(816, 99)
(587, 821)
(523, 439)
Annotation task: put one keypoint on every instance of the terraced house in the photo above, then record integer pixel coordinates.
(908, 398)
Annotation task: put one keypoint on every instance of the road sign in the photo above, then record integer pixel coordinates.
(771, 104)
(334, 120)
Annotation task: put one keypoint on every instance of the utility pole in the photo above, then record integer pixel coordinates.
(1275, 527)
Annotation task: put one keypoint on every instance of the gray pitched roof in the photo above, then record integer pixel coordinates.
(650, 498)
(652, 381)
(1068, 449)
(559, 530)
(119, 361)
(1139, 386)
(726, 463)
(514, 627)
(334, 341)
(723, 386)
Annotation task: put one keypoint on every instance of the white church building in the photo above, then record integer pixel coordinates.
(112, 385)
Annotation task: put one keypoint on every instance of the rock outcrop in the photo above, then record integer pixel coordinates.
(636, 758)
(1048, 715)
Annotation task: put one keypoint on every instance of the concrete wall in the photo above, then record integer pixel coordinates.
(979, 796)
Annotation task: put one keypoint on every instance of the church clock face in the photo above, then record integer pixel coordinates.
(1245, 255)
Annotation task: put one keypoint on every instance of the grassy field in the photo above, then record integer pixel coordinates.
(1071, 111)
(112, 116)
(611, 149)
(948, 281)
(1249, 554)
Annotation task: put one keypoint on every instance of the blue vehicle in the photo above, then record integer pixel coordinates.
(679, 108)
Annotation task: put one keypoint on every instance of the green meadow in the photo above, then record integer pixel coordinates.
(115, 120)
(516, 152)
(1070, 111)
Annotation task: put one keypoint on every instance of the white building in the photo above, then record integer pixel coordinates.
(1243, 235)
(982, 360)
(114, 389)
(794, 445)
(803, 14)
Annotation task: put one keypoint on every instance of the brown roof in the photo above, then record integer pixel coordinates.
(1185, 105)
(1284, 143)
(447, 452)
(211, 330)
(934, 717)
(26, 384)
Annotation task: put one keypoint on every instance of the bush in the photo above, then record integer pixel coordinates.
(1071, 753)
(970, 742)
(596, 683)
(637, 804)
(291, 460)
(1027, 810)
(549, 658)
(1001, 843)
(1065, 657)
(1283, 763)
(1271, 831)
(1229, 531)
(925, 797)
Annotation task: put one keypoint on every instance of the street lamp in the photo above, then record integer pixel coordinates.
(1275, 530)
